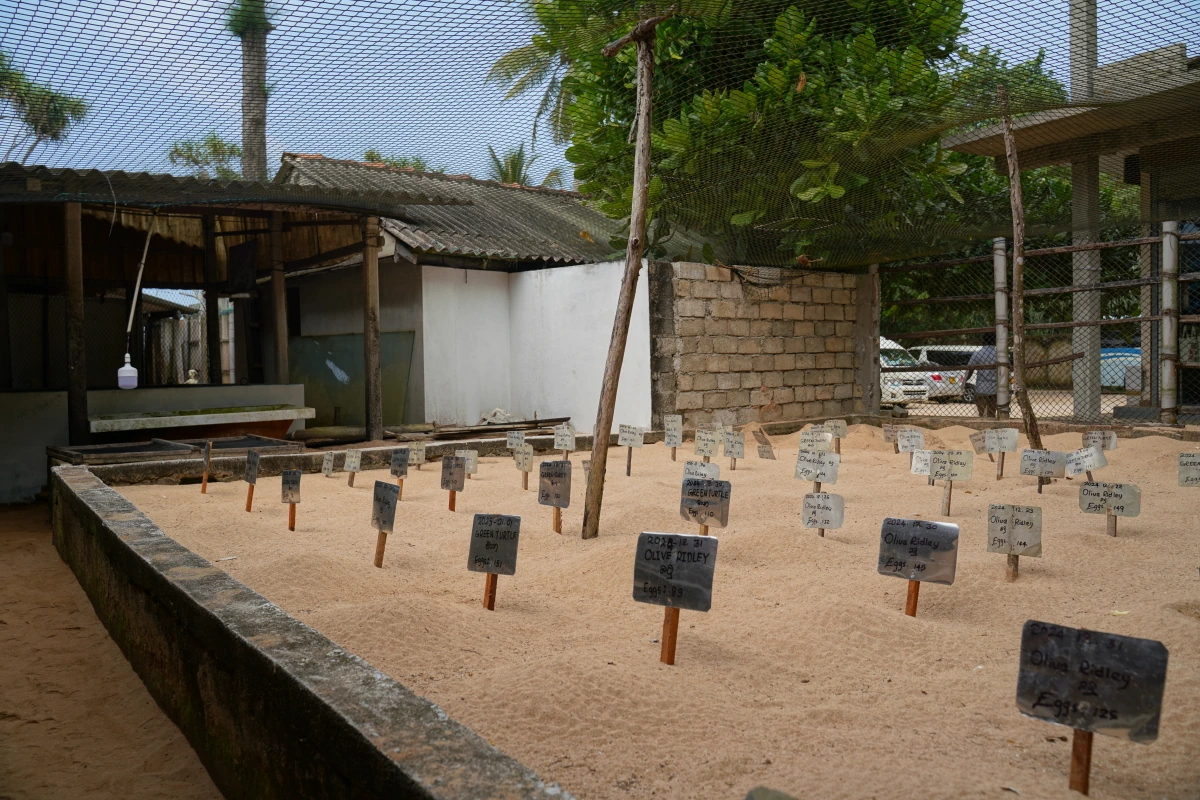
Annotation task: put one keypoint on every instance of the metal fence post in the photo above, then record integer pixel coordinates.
(1000, 273)
(1169, 346)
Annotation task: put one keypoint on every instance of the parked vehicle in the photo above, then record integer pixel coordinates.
(949, 383)
(900, 388)
(1113, 363)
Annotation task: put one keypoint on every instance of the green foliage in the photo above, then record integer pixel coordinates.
(46, 115)
(416, 163)
(210, 157)
(244, 17)
(513, 168)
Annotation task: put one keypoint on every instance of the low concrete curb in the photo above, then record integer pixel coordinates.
(273, 708)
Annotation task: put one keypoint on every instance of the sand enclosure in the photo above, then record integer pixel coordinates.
(806, 676)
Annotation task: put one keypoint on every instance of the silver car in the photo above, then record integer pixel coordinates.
(900, 388)
(948, 384)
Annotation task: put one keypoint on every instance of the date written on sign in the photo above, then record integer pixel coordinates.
(290, 485)
(701, 470)
(470, 458)
(673, 436)
(494, 539)
(735, 444)
(995, 440)
(1119, 499)
(1092, 681)
(824, 510)
(706, 443)
(705, 502)
(675, 570)
(918, 550)
(817, 466)
(454, 473)
(252, 467)
(816, 441)
(1085, 460)
(910, 439)
(383, 506)
(564, 437)
(524, 457)
(515, 439)
(353, 461)
(327, 465)
(554, 484)
(1015, 530)
(1043, 463)
(630, 436)
(1189, 469)
(400, 463)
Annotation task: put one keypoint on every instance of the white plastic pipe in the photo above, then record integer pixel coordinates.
(1000, 283)
(1168, 389)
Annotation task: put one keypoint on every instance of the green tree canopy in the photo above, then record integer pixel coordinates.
(210, 157)
(45, 114)
(514, 167)
(417, 163)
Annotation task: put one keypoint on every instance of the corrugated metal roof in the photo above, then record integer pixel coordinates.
(503, 221)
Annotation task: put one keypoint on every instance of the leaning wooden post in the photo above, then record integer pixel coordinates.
(372, 370)
(78, 426)
(1018, 288)
(643, 35)
(207, 464)
(947, 494)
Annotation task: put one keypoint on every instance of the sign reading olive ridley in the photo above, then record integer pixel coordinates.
(918, 550)
(910, 439)
(630, 436)
(701, 470)
(951, 465)
(494, 539)
(995, 440)
(674, 430)
(470, 458)
(824, 510)
(454, 473)
(735, 444)
(353, 461)
(515, 439)
(706, 443)
(1043, 463)
(675, 570)
(564, 437)
(1015, 530)
(821, 466)
(524, 457)
(1118, 499)
(416, 454)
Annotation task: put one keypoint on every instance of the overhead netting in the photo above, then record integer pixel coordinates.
(837, 132)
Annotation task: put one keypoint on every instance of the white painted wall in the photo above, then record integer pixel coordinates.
(561, 322)
(465, 321)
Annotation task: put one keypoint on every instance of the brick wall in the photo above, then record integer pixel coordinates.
(724, 351)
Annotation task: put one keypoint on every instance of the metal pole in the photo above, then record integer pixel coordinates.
(1000, 276)
(1169, 347)
(279, 298)
(373, 386)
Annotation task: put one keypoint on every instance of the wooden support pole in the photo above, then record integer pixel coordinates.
(207, 461)
(1112, 522)
(489, 590)
(673, 453)
(78, 429)
(896, 450)
(837, 446)
(947, 494)
(670, 633)
(400, 494)
(380, 544)
(817, 489)
(1089, 476)
(910, 605)
(704, 530)
(1081, 761)
(525, 480)
(644, 32)
(249, 496)
(732, 463)
(1000, 465)
(629, 462)
(279, 299)
(1013, 569)
(556, 520)
(372, 370)
(990, 458)
(350, 480)
(452, 494)
(212, 306)
(291, 516)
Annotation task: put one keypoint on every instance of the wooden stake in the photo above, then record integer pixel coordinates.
(1089, 476)
(489, 591)
(669, 635)
(673, 453)
(380, 543)
(524, 480)
(816, 489)
(629, 462)
(1040, 485)
(1013, 569)
(643, 35)
(207, 461)
(732, 463)
(452, 493)
(249, 496)
(350, 481)
(914, 591)
(896, 448)
(706, 459)
(1112, 522)
(1081, 761)
(400, 494)
(556, 520)
(1000, 466)
(291, 516)
(989, 455)
(837, 446)
(704, 530)
(947, 493)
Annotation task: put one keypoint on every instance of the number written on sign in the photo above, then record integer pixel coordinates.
(494, 539)
(674, 430)
(290, 480)
(918, 550)
(675, 570)
(630, 436)
(1015, 530)
(383, 506)
(554, 484)
(705, 502)
(823, 510)
(400, 463)
(252, 467)
(454, 473)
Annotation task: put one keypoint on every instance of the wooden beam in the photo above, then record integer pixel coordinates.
(336, 254)
(1131, 137)
(372, 374)
(866, 338)
(77, 401)
(212, 307)
(279, 299)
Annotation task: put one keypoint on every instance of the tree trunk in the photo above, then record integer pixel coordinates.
(254, 105)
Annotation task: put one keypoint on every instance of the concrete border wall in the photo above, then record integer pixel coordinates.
(273, 708)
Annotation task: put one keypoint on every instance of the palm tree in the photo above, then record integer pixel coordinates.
(210, 157)
(514, 168)
(47, 115)
(249, 21)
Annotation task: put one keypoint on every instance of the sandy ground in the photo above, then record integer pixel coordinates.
(75, 720)
(806, 676)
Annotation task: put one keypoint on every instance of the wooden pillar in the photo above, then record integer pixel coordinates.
(77, 402)
(866, 339)
(372, 374)
(212, 306)
(279, 298)
(1000, 285)
(6, 381)
(1168, 392)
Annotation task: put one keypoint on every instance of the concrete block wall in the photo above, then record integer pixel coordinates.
(726, 352)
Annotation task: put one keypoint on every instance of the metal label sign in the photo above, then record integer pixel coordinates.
(630, 436)
(910, 439)
(918, 550)
(554, 484)
(1092, 681)
(1043, 463)
(817, 466)
(524, 457)
(922, 461)
(327, 465)
(494, 539)
(700, 470)
(400, 463)
(515, 439)
(1088, 458)
(951, 465)
(889, 433)
(1189, 469)
(353, 461)
(1120, 499)
(1015, 530)
(824, 510)
(674, 430)
(995, 440)
(764, 445)
(705, 502)
(674, 569)
(816, 441)
(835, 427)
(735, 444)
(416, 453)
(252, 467)
(454, 473)
(706, 443)
(1105, 440)
(383, 506)
(290, 484)
(470, 458)
(564, 437)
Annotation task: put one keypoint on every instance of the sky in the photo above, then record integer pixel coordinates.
(404, 76)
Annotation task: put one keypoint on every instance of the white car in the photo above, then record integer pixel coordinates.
(900, 388)
(948, 383)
